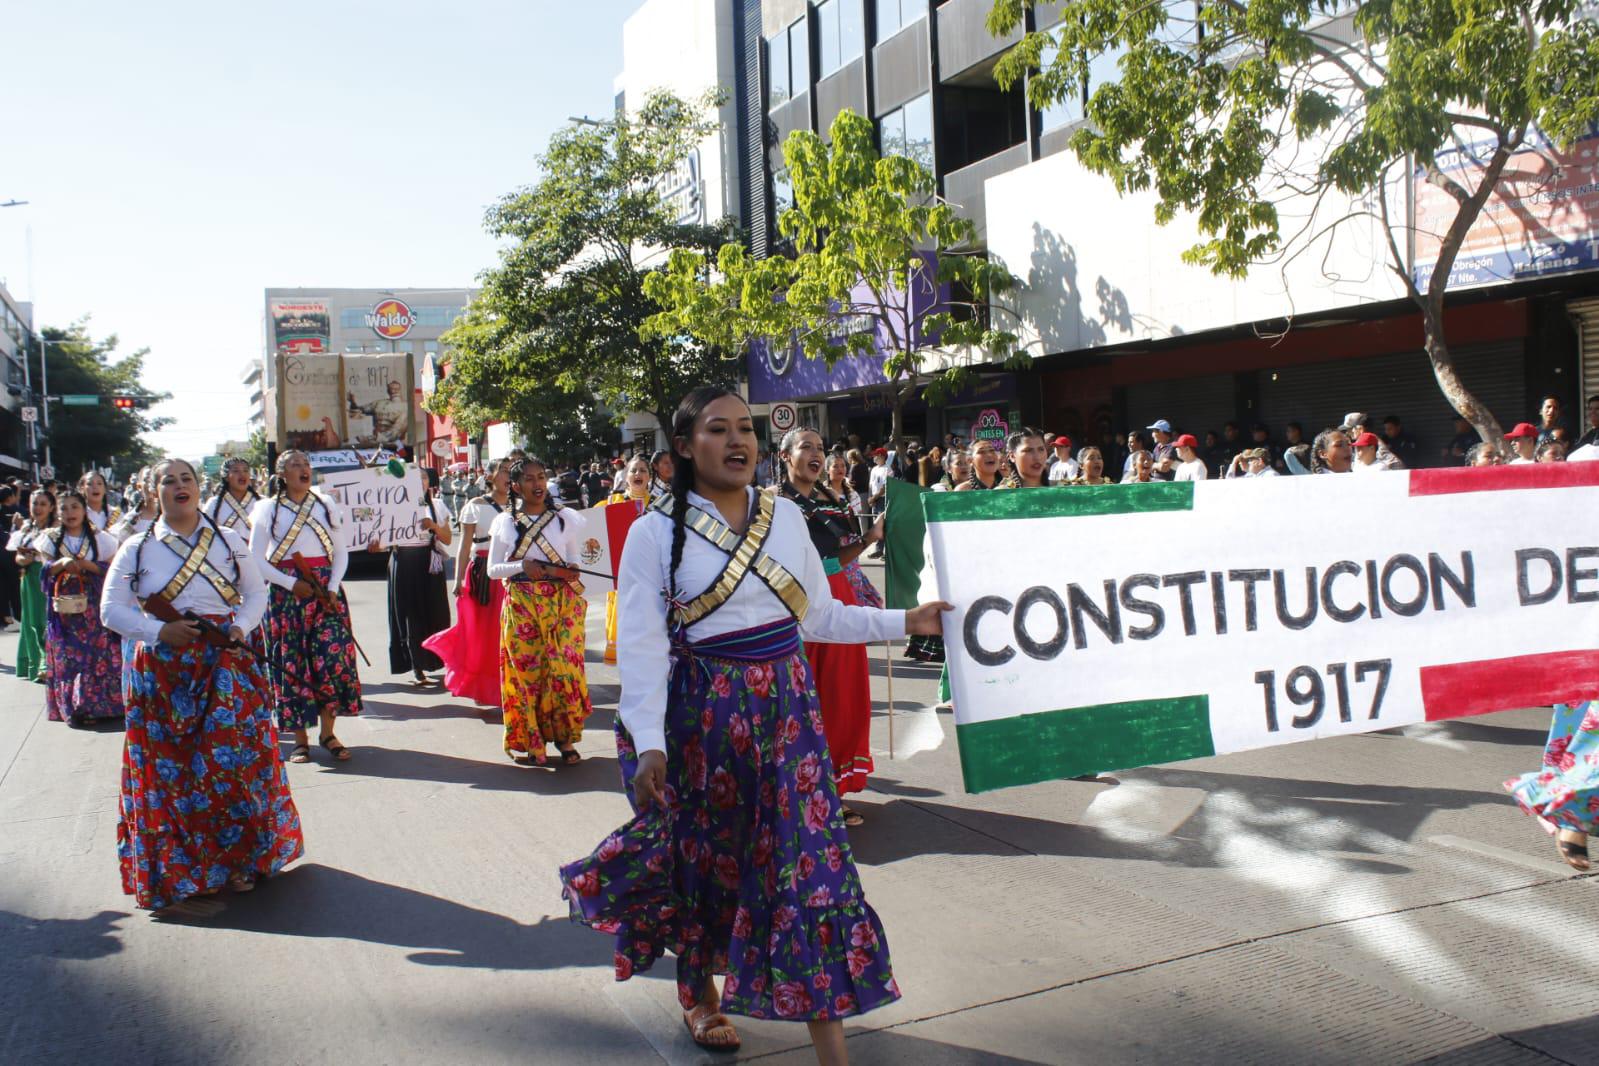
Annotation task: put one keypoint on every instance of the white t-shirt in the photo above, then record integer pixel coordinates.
(479, 512)
(877, 481)
(1063, 470)
(1193, 470)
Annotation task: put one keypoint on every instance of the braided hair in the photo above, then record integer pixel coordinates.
(58, 535)
(144, 538)
(688, 412)
(227, 468)
(518, 466)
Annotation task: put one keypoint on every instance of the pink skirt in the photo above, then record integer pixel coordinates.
(470, 648)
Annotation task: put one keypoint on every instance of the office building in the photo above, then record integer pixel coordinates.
(16, 342)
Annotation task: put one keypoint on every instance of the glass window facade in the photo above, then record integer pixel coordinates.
(1069, 108)
(908, 131)
(895, 15)
(799, 57)
(841, 26)
(788, 65)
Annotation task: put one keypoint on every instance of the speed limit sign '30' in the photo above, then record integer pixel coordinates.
(784, 417)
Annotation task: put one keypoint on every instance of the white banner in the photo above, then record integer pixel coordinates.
(380, 507)
(1101, 628)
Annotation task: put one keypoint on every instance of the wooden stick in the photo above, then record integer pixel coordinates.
(888, 659)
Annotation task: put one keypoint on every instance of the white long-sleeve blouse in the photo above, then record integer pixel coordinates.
(157, 565)
(645, 664)
(565, 534)
(270, 522)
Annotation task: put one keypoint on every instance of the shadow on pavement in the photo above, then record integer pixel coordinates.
(319, 901)
(891, 1045)
(495, 773)
(450, 708)
(60, 938)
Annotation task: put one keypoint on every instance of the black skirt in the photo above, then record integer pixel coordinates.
(418, 608)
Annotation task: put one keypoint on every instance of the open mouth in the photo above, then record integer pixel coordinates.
(180, 497)
(738, 460)
(814, 468)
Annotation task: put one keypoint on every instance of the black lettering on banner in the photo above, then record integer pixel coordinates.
(1108, 621)
(1185, 583)
(1148, 608)
(1407, 608)
(1574, 575)
(1372, 599)
(1249, 579)
(1524, 591)
(1335, 612)
(1218, 601)
(1305, 688)
(981, 655)
(1465, 587)
(1047, 649)
(1280, 592)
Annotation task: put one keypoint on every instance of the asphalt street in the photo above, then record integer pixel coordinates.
(1370, 899)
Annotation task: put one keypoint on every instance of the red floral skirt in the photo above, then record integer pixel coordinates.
(844, 689)
(204, 795)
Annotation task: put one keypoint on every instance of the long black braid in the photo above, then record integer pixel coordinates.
(58, 535)
(515, 493)
(688, 412)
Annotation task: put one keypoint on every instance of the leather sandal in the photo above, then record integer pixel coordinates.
(301, 753)
(1575, 854)
(706, 1019)
(339, 752)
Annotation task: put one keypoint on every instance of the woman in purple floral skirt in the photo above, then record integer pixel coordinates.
(737, 861)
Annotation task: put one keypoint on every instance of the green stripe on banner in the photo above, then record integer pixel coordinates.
(902, 545)
(1060, 501)
(1083, 740)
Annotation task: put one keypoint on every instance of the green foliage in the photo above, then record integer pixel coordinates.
(1223, 112)
(553, 340)
(255, 452)
(867, 230)
(82, 437)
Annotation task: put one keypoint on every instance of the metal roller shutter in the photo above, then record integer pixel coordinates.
(1586, 315)
(1318, 395)
(1191, 405)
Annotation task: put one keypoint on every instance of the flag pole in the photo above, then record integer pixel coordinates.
(888, 660)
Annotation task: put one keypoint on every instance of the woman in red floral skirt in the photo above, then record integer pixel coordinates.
(205, 801)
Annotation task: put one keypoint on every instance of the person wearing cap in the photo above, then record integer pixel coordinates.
(1191, 467)
(1523, 438)
(1355, 425)
(1064, 468)
(1252, 462)
(1365, 446)
(1164, 451)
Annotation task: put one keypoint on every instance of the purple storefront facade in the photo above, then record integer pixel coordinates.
(854, 396)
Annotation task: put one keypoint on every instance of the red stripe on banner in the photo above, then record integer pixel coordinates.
(1453, 479)
(619, 518)
(1456, 690)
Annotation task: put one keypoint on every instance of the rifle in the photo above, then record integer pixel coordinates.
(324, 596)
(210, 632)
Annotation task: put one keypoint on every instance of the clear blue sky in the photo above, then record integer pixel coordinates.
(179, 157)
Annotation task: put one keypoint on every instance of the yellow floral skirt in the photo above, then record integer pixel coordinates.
(610, 627)
(543, 688)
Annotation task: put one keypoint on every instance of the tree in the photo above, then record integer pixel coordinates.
(559, 318)
(1232, 112)
(880, 263)
(255, 452)
(85, 437)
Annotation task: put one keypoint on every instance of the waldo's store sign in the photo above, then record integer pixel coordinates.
(391, 319)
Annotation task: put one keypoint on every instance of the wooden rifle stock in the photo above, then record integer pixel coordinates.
(211, 633)
(327, 598)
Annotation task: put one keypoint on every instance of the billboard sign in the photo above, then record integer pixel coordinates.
(1542, 219)
(301, 327)
(380, 404)
(391, 319)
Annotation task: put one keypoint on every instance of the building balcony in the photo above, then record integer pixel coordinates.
(966, 50)
(251, 374)
(963, 188)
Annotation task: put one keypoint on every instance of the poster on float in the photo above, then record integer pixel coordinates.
(1099, 628)
(380, 400)
(309, 399)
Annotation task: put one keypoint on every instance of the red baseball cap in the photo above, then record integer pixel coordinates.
(1366, 440)
(880, 451)
(1185, 441)
(1061, 441)
(1523, 429)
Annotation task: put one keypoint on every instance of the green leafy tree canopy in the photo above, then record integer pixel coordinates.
(869, 234)
(555, 332)
(1227, 108)
(85, 437)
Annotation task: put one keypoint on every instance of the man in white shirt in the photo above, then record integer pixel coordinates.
(1366, 460)
(1252, 462)
(877, 482)
(1190, 467)
(1064, 468)
(1524, 438)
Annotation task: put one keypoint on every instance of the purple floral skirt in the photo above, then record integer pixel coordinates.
(747, 871)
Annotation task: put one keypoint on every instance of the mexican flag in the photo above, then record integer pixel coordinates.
(908, 580)
(604, 532)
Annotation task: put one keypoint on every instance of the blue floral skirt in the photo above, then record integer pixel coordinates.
(747, 870)
(1565, 793)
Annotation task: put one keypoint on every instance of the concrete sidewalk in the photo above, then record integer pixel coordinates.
(1365, 899)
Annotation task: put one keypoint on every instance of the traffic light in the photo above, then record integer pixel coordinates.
(123, 403)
